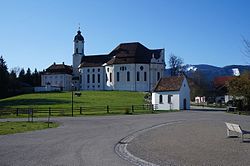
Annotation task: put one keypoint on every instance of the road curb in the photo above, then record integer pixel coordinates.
(121, 146)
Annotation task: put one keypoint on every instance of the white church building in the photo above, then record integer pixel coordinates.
(130, 67)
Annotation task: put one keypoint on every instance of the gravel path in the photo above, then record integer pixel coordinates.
(195, 142)
(90, 141)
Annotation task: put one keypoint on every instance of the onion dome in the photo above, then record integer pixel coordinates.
(78, 37)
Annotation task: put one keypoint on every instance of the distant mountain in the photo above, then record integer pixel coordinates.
(209, 72)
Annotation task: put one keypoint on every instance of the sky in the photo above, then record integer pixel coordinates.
(36, 34)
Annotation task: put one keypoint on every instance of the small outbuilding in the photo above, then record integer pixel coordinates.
(171, 93)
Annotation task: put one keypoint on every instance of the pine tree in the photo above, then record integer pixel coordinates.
(4, 78)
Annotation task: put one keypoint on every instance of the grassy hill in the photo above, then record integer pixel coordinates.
(90, 101)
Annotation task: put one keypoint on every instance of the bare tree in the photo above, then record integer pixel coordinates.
(246, 44)
(176, 64)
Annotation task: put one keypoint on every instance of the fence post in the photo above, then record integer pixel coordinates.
(152, 108)
(49, 116)
(28, 113)
(132, 108)
(107, 109)
(31, 114)
(80, 110)
(17, 112)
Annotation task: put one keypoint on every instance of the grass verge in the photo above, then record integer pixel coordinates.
(20, 127)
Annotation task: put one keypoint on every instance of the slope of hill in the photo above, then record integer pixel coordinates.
(210, 72)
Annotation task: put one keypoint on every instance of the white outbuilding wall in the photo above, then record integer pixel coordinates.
(172, 100)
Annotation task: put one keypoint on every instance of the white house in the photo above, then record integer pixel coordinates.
(171, 93)
(57, 76)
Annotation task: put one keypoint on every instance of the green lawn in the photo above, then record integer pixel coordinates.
(92, 102)
(20, 127)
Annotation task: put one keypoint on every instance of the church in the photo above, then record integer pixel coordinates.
(128, 67)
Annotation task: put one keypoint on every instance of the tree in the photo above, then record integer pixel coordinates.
(175, 64)
(246, 44)
(36, 78)
(4, 78)
(239, 88)
(21, 76)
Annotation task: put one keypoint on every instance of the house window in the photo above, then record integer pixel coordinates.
(98, 78)
(170, 99)
(128, 76)
(161, 99)
(110, 77)
(138, 76)
(88, 78)
(117, 76)
(93, 70)
(93, 78)
(98, 70)
(145, 76)
(158, 76)
(88, 70)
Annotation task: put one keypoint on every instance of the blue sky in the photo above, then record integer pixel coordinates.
(37, 33)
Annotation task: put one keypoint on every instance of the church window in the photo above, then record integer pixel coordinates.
(158, 76)
(77, 50)
(110, 77)
(138, 76)
(128, 76)
(88, 70)
(93, 78)
(145, 76)
(98, 78)
(117, 76)
(141, 68)
(93, 70)
(98, 70)
(170, 99)
(88, 80)
(161, 99)
(108, 69)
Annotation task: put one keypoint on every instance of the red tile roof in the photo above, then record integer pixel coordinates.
(125, 53)
(221, 81)
(59, 69)
(169, 84)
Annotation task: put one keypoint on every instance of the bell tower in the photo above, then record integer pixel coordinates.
(77, 56)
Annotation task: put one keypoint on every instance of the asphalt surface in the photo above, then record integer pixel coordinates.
(90, 141)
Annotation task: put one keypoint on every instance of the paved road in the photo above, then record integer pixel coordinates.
(89, 141)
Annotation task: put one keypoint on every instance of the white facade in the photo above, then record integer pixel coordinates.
(172, 100)
(62, 81)
(128, 77)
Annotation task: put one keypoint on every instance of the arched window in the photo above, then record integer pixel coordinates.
(77, 50)
(93, 78)
(138, 76)
(88, 78)
(145, 76)
(117, 76)
(128, 76)
(161, 99)
(98, 78)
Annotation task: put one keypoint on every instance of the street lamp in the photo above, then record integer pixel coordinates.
(72, 102)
